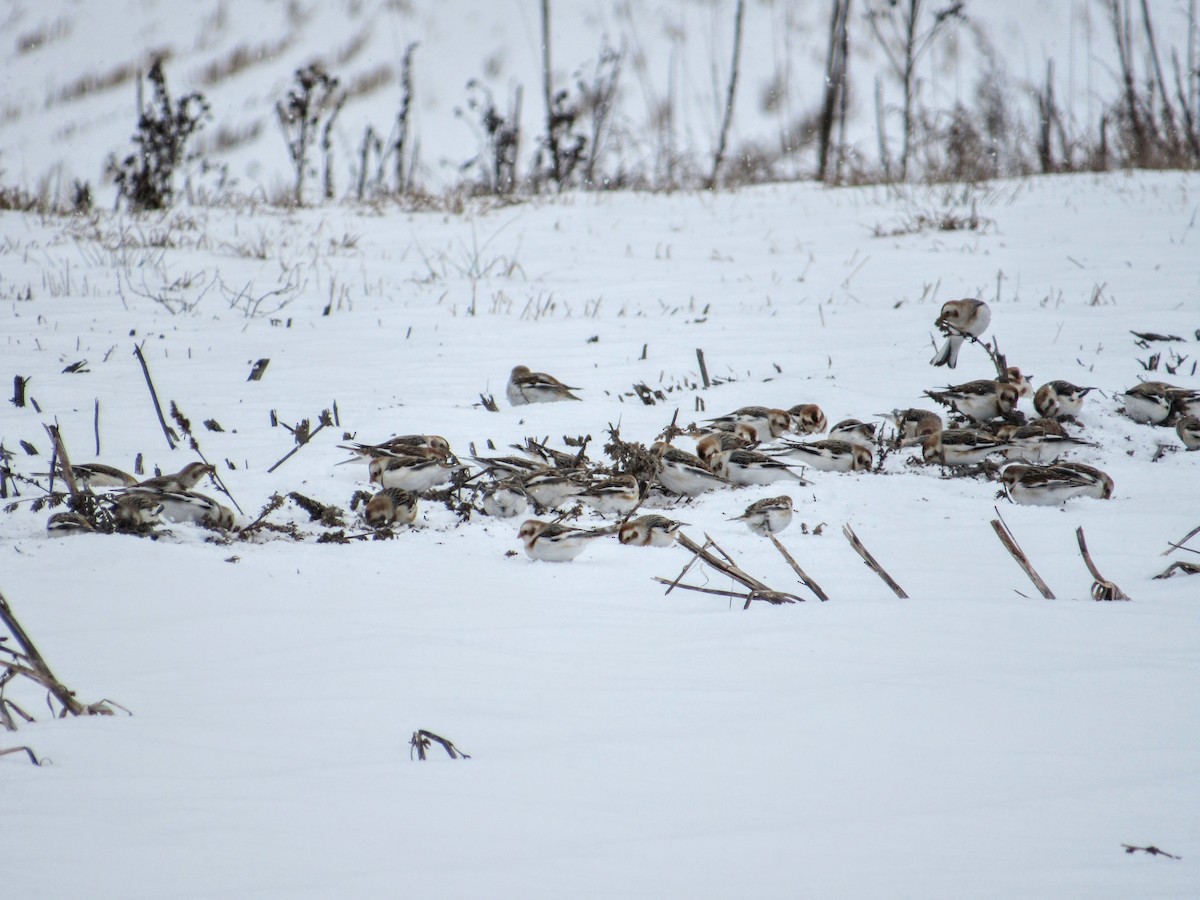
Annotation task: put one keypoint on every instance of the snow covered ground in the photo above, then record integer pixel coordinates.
(974, 740)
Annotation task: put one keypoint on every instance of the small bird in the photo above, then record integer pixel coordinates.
(768, 516)
(504, 499)
(181, 506)
(649, 531)
(1023, 384)
(1033, 443)
(959, 447)
(767, 423)
(721, 440)
(616, 496)
(553, 542)
(411, 473)
(808, 418)
(135, 510)
(1054, 485)
(525, 386)
(747, 467)
(98, 475)
(183, 480)
(391, 505)
(1149, 403)
(682, 473)
(402, 445)
(1059, 399)
(854, 431)
(978, 400)
(64, 524)
(552, 487)
(1006, 430)
(1188, 429)
(832, 455)
(913, 423)
(959, 318)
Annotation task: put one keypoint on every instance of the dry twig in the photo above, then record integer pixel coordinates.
(1102, 588)
(421, 740)
(1011, 545)
(808, 582)
(871, 562)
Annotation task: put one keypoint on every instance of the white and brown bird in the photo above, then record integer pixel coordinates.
(717, 441)
(958, 320)
(1188, 429)
(682, 473)
(747, 467)
(391, 506)
(616, 496)
(98, 475)
(768, 516)
(1054, 485)
(912, 424)
(183, 480)
(855, 431)
(504, 499)
(525, 387)
(551, 488)
(553, 542)
(959, 447)
(402, 445)
(65, 524)
(978, 400)
(808, 418)
(766, 423)
(1153, 402)
(1059, 399)
(1022, 383)
(137, 510)
(649, 531)
(177, 506)
(411, 473)
(831, 455)
(1037, 444)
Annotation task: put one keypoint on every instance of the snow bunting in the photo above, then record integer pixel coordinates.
(769, 516)
(861, 434)
(402, 445)
(1188, 429)
(616, 496)
(142, 504)
(746, 467)
(411, 473)
(682, 473)
(519, 466)
(1006, 430)
(391, 505)
(98, 475)
(807, 418)
(958, 447)
(551, 487)
(1054, 485)
(556, 543)
(1033, 443)
(649, 531)
(767, 423)
(1150, 402)
(1022, 383)
(504, 499)
(63, 524)
(958, 319)
(721, 440)
(912, 424)
(183, 480)
(978, 400)
(832, 455)
(137, 510)
(1056, 399)
(525, 386)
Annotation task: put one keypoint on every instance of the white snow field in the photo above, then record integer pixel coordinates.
(974, 740)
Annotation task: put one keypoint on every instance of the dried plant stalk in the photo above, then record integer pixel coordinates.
(421, 739)
(1011, 545)
(1102, 588)
(808, 582)
(871, 562)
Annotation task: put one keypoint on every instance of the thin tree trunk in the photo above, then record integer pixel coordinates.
(719, 155)
(548, 96)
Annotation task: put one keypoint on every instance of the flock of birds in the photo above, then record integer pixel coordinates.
(980, 429)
